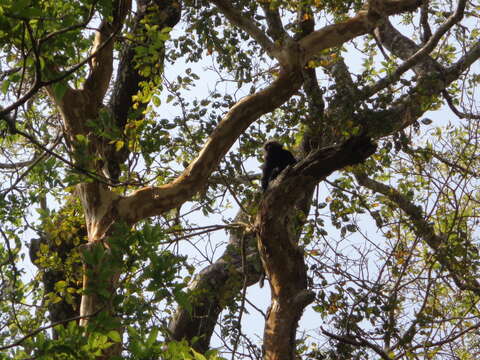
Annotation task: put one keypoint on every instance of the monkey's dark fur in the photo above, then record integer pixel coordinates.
(275, 160)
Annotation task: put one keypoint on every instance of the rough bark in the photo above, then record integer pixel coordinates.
(103, 208)
(127, 82)
(433, 78)
(404, 47)
(277, 226)
(77, 108)
(281, 211)
(155, 200)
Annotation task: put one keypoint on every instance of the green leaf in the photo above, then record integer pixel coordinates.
(119, 144)
(5, 86)
(152, 337)
(81, 138)
(19, 6)
(198, 356)
(60, 285)
(59, 90)
(114, 336)
(156, 101)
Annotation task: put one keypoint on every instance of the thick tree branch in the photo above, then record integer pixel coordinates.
(127, 84)
(38, 83)
(419, 54)
(464, 63)
(278, 221)
(404, 48)
(77, 106)
(410, 107)
(433, 81)
(460, 114)
(155, 200)
(364, 22)
(101, 66)
(426, 30)
(317, 132)
(274, 22)
(329, 36)
(152, 201)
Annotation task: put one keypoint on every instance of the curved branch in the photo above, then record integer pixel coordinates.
(329, 36)
(152, 201)
(284, 191)
(427, 31)
(277, 226)
(363, 23)
(102, 64)
(404, 48)
(464, 63)
(420, 53)
(409, 107)
(453, 107)
(358, 342)
(274, 21)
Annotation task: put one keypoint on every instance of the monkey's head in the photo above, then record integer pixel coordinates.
(272, 146)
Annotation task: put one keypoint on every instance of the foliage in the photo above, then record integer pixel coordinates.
(391, 246)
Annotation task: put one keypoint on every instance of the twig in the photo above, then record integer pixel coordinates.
(360, 342)
(415, 58)
(35, 332)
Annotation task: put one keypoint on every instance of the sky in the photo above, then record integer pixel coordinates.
(252, 323)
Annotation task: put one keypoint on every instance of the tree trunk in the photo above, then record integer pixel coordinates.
(279, 220)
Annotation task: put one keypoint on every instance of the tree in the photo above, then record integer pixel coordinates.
(92, 163)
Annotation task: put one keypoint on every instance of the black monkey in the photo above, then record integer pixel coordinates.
(275, 160)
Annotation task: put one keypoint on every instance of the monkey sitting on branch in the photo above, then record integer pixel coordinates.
(275, 160)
